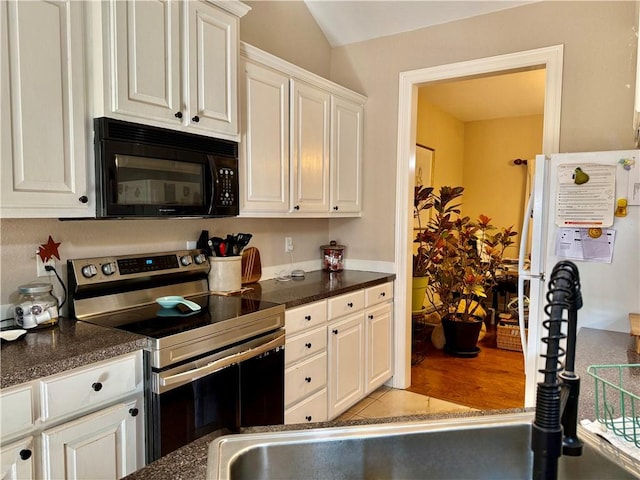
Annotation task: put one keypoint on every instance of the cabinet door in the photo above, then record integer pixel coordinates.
(146, 63)
(264, 147)
(99, 445)
(346, 363)
(17, 460)
(43, 136)
(379, 346)
(310, 148)
(212, 68)
(346, 156)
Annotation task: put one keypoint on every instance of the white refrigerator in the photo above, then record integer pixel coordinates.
(562, 206)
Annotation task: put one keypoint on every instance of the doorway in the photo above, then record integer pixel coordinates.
(549, 58)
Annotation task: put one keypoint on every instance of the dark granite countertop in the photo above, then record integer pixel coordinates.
(316, 286)
(593, 346)
(70, 344)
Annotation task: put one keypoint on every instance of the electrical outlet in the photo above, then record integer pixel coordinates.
(288, 244)
(40, 266)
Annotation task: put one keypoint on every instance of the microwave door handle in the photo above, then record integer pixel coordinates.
(216, 365)
(212, 176)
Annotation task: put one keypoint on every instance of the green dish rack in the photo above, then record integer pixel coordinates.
(617, 408)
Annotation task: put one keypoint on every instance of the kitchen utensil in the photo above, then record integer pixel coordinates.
(12, 335)
(231, 245)
(251, 266)
(215, 243)
(203, 243)
(173, 301)
(243, 240)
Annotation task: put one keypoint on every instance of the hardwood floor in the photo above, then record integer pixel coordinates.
(492, 380)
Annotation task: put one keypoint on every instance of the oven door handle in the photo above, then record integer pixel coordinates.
(216, 365)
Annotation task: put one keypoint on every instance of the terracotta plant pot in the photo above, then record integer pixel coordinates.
(461, 338)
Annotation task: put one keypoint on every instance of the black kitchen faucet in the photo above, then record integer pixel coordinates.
(554, 430)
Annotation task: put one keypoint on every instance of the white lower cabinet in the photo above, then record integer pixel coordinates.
(346, 355)
(305, 376)
(17, 460)
(99, 445)
(379, 348)
(338, 350)
(86, 423)
(311, 409)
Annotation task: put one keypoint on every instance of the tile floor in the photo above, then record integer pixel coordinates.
(391, 402)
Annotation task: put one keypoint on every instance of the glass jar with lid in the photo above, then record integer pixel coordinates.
(36, 306)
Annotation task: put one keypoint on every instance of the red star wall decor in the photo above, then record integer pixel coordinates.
(48, 250)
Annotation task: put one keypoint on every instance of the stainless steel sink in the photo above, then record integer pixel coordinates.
(492, 447)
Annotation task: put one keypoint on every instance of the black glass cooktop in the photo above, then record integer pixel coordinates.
(157, 322)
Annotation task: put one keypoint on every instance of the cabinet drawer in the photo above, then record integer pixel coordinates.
(16, 410)
(378, 294)
(345, 304)
(304, 378)
(305, 316)
(312, 409)
(86, 388)
(305, 345)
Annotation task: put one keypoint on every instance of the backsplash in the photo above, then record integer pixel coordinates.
(20, 239)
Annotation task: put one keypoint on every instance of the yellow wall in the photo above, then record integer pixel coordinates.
(494, 186)
(446, 135)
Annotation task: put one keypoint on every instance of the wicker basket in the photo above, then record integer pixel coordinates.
(508, 337)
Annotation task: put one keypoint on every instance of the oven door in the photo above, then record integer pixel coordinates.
(239, 386)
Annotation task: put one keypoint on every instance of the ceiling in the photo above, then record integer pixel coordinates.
(345, 22)
(498, 96)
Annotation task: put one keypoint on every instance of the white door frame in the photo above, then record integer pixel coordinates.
(548, 57)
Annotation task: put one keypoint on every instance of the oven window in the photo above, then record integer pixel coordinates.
(197, 408)
(151, 181)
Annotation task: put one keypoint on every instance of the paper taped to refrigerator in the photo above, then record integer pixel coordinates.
(576, 244)
(585, 203)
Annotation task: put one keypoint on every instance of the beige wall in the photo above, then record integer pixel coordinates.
(599, 41)
(287, 30)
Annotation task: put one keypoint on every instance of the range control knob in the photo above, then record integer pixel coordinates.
(200, 258)
(185, 260)
(109, 268)
(89, 271)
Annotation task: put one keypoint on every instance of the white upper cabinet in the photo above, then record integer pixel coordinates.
(169, 63)
(346, 156)
(264, 145)
(213, 66)
(302, 137)
(146, 62)
(43, 135)
(311, 109)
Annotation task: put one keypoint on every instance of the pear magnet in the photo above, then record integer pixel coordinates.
(579, 177)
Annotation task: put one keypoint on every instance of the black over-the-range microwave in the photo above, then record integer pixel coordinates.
(150, 172)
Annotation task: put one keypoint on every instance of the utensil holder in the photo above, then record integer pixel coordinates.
(225, 274)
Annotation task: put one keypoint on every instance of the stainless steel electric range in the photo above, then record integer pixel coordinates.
(219, 367)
